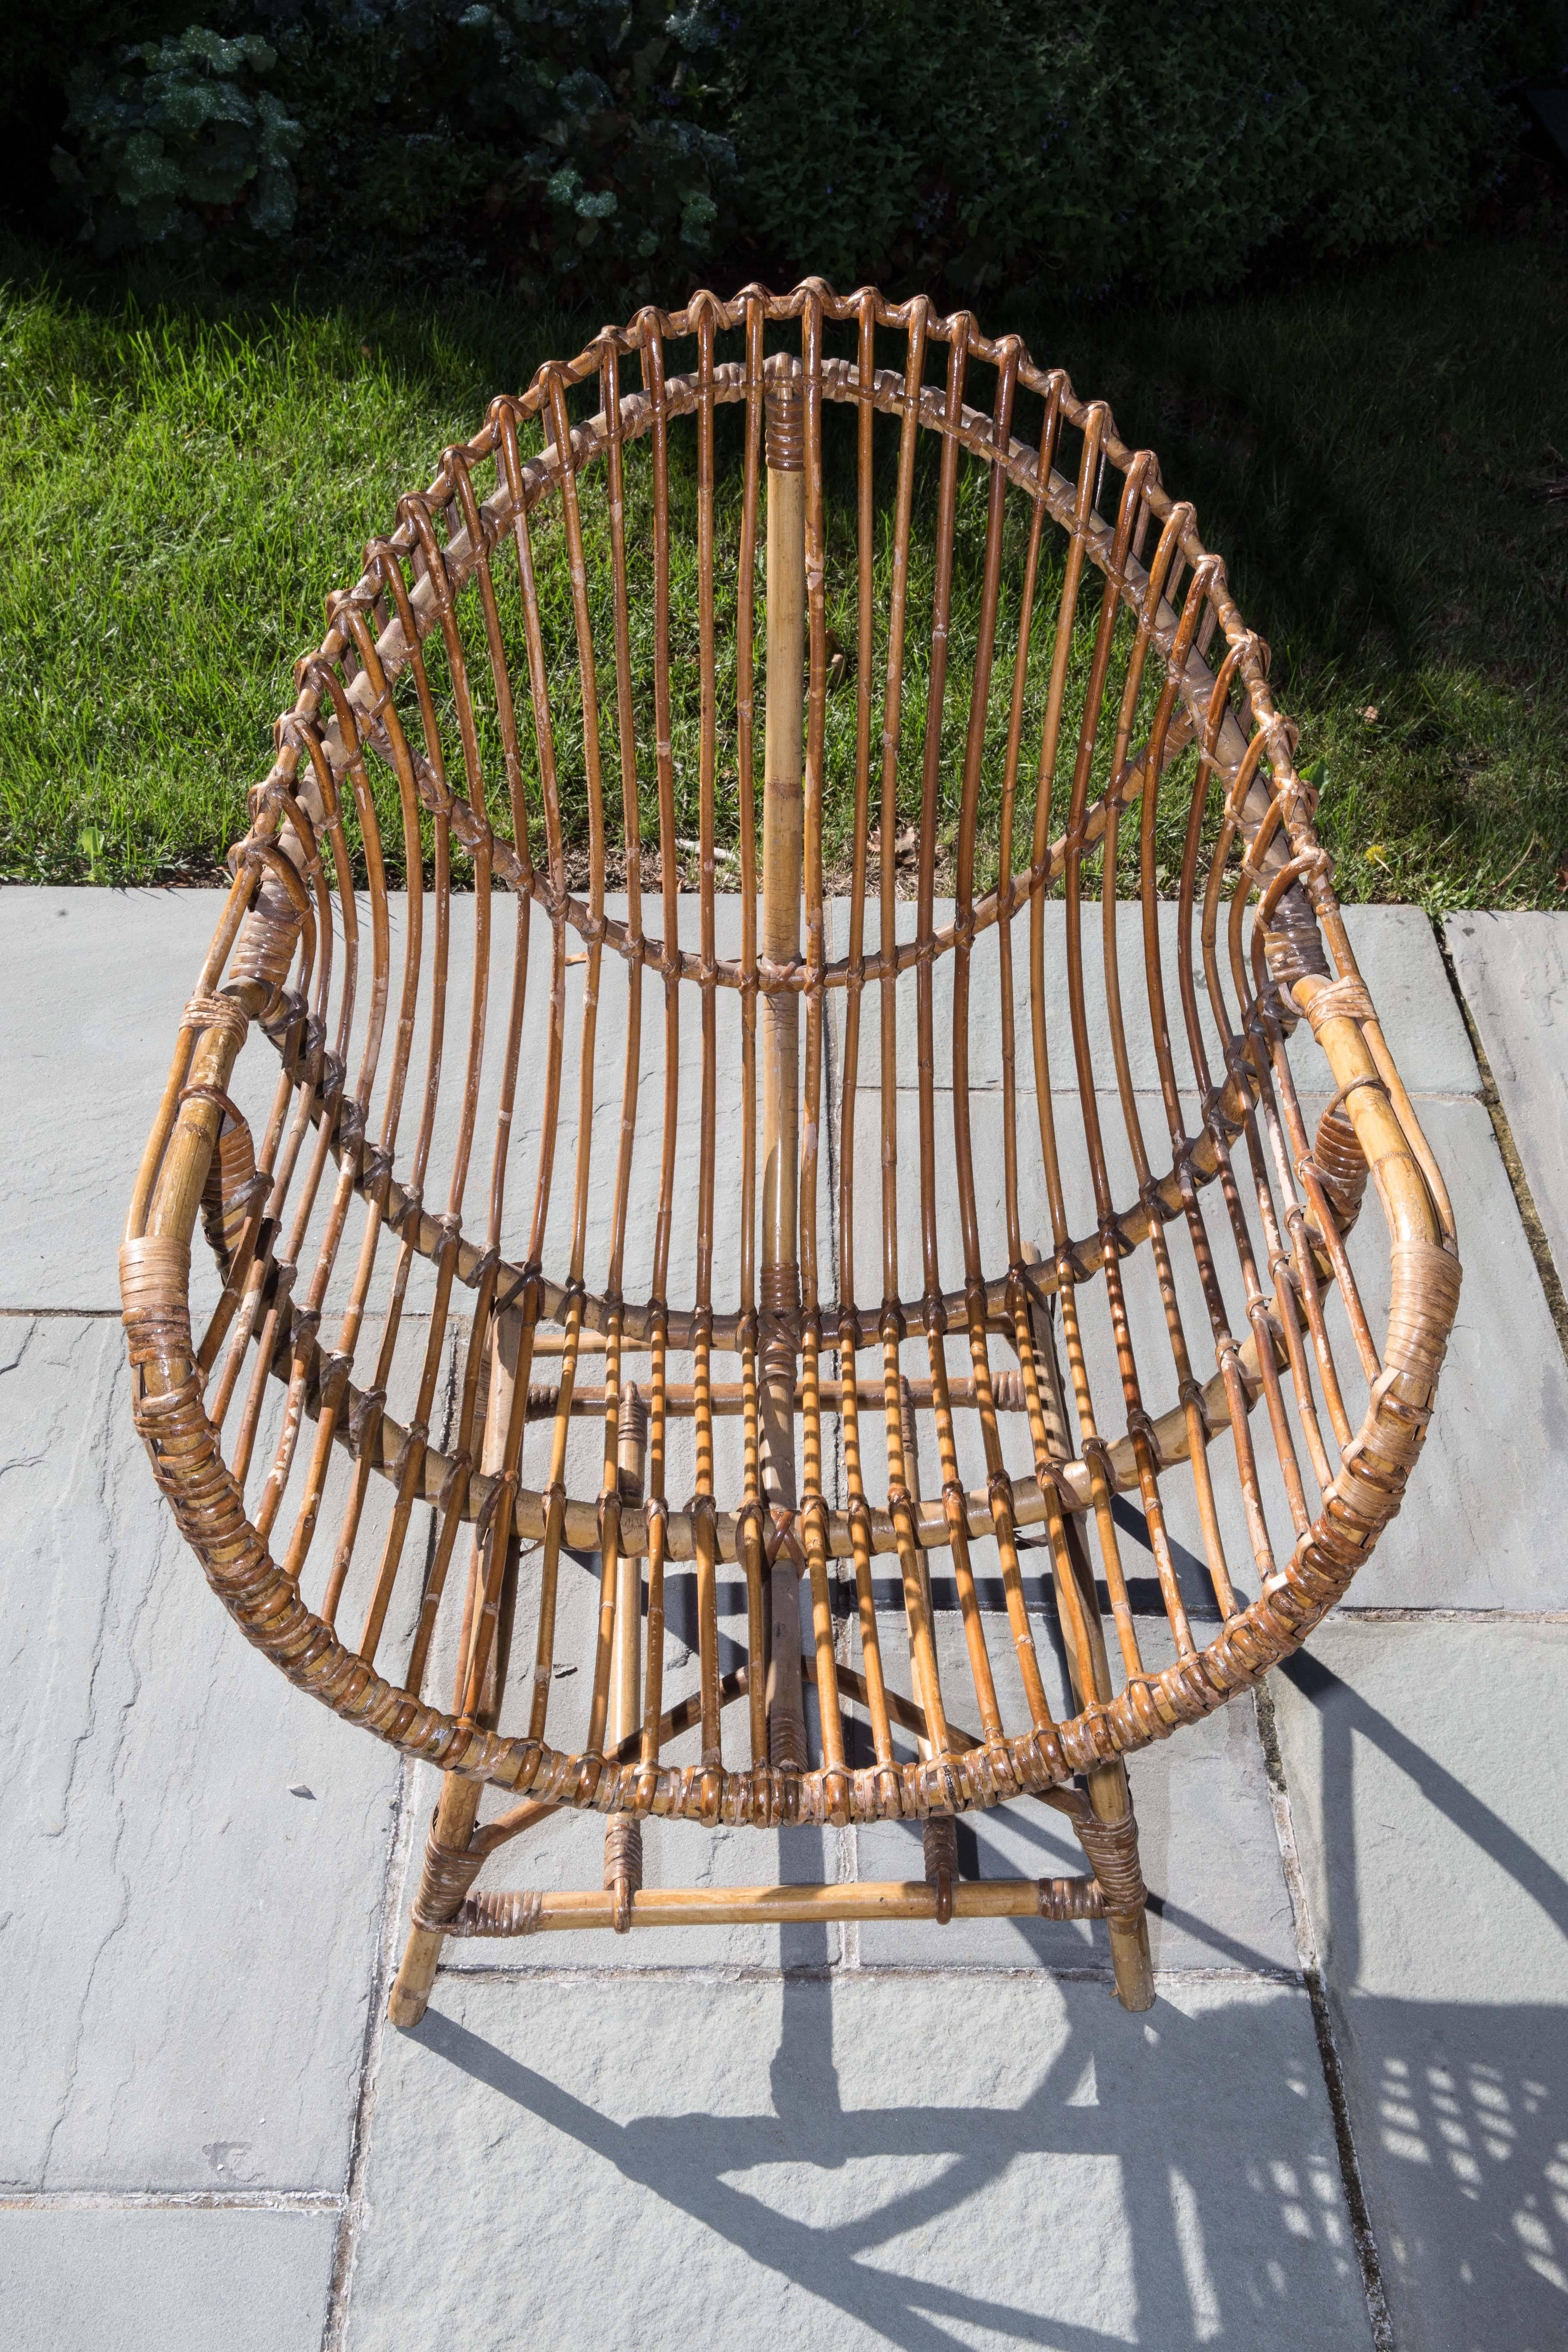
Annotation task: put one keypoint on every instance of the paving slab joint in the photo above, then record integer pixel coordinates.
(1524, 1200)
(388, 1944)
(1311, 1976)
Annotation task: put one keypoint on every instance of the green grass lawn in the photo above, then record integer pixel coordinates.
(1381, 457)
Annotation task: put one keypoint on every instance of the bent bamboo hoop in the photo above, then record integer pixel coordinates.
(501, 694)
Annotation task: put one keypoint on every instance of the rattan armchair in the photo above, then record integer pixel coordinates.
(635, 1207)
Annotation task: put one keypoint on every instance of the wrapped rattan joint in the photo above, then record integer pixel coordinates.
(1342, 1165)
(229, 1194)
(938, 1838)
(623, 1866)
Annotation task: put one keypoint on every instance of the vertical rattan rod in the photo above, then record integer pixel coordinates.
(457, 1807)
(703, 1502)
(625, 1656)
(1087, 1663)
(623, 1831)
(784, 814)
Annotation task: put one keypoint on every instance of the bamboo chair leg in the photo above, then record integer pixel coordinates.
(445, 1875)
(457, 1811)
(1112, 1798)
(1109, 1792)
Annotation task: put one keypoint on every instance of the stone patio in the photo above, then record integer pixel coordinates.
(1346, 2121)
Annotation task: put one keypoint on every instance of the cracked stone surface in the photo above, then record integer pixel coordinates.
(188, 1946)
(101, 976)
(1514, 970)
(98, 2281)
(1424, 1768)
(857, 2161)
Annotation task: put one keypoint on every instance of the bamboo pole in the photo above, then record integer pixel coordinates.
(783, 822)
(699, 1906)
(626, 1656)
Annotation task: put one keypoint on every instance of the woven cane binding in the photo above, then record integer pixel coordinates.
(617, 1218)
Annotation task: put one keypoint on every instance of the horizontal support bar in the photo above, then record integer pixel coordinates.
(551, 1911)
(596, 1343)
(727, 1399)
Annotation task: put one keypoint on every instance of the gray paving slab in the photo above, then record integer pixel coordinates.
(195, 1946)
(1424, 1766)
(194, 1852)
(103, 974)
(1514, 970)
(1482, 1528)
(862, 2161)
(98, 981)
(1394, 946)
(177, 2279)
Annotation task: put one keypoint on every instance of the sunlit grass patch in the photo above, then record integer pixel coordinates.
(1373, 455)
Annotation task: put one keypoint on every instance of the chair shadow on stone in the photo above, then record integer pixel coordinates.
(1228, 2231)
(1460, 2109)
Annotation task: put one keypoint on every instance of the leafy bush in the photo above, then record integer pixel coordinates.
(608, 150)
(560, 142)
(180, 136)
(560, 139)
(1163, 143)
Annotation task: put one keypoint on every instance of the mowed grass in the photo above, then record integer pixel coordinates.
(1379, 457)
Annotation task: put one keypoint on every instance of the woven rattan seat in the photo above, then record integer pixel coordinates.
(687, 1332)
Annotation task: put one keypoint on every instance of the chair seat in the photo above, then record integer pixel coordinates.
(778, 1110)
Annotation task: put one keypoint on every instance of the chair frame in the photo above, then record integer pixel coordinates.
(269, 969)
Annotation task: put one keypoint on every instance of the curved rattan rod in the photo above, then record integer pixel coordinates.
(540, 475)
(687, 1713)
(581, 1532)
(1227, 1111)
(972, 428)
(1125, 790)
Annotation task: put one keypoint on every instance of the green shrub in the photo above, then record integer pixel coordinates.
(1165, 143)
(177, 135)
(560, 143)
(607, 149)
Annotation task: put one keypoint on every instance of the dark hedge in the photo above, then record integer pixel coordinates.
(606, 149)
